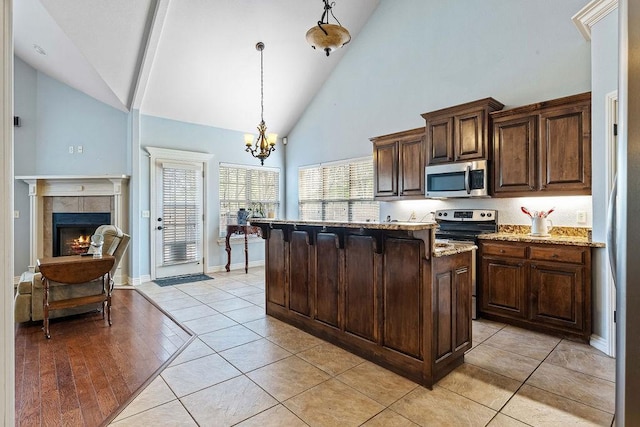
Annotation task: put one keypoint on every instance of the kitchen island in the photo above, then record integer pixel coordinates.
(384, 291)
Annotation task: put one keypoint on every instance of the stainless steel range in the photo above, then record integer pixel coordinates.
(464, 226)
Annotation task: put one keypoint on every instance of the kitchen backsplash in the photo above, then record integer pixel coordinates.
(509, 213)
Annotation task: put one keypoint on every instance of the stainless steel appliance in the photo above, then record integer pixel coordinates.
(465, 179)
(464, 226)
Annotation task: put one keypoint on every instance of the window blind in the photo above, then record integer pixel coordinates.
(341, 191)
(181, 215)
(254, 189)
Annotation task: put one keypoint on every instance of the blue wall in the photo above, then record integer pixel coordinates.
(415, 56)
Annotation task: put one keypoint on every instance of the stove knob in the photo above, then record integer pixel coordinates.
(439, 213)
(445, 214)
(482, 214)
(489, 214)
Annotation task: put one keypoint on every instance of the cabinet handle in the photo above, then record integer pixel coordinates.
(533, 266)
(501, 251)
(554, 256)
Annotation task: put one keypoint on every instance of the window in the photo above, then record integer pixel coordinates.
(340, 191)
(255, 189)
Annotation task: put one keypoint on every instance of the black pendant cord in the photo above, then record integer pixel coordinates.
(261, 86)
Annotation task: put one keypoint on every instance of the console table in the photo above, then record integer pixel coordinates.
(74, 270)
(240, 229)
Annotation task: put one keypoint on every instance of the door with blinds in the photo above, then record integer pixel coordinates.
(179, 220)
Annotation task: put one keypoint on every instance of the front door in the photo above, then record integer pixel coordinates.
(178, 221)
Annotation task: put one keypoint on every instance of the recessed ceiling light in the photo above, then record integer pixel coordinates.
(39, 49)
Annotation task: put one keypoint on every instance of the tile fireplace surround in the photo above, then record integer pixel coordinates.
(83, 193)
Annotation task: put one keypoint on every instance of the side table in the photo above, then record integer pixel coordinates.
(240, 229)
(73, 270)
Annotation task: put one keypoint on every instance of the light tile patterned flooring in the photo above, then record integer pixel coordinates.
(248, 369)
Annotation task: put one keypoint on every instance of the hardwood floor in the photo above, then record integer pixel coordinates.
(88, 370)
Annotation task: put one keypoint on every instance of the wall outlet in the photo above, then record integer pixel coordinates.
(581, 217)
(16, 214)
(413, 217)
(80, 149)
(145, 214)
(71, 149)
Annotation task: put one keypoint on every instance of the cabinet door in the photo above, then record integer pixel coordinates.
(503, 290)
(385, 162)
(411, 174)
(565, 149)
(514, 155)
(557, 295)
(468, 140)
(439, 140)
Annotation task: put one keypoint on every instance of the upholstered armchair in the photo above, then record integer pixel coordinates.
(29, 295)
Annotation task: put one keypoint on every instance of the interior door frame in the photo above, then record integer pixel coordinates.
(156, 154)
(611, 111)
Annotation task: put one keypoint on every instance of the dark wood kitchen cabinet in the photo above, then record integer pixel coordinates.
(545, 287)
(460, 133)
(543, 149)
(398, 161)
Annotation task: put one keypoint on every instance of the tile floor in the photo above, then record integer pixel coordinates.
(248, 369)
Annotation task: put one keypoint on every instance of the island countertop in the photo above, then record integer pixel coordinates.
(405, 226)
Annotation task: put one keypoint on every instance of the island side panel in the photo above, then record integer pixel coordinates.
(361, 280)
(327, 289)
(402, 296)
(275, 268)
(451, 312)
(300, 284)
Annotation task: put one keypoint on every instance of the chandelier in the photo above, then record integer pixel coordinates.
(325, 36)
(264, 144)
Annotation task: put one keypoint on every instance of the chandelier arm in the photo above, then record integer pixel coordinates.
(323, 30)
(334, 16)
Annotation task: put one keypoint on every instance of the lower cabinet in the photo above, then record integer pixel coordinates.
(537, 286)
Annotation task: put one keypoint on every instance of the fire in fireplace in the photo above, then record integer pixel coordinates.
(72, 231)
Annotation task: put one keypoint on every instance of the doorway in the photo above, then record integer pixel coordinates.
(178, 220)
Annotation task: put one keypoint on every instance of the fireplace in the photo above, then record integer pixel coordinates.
(72, 231)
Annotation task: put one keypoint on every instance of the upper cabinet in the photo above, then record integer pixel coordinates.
(543, 149)
(398, 162)
(459, 133)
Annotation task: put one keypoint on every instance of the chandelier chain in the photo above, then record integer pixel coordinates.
(261, 86)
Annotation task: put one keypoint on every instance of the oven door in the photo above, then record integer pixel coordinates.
(457, 180)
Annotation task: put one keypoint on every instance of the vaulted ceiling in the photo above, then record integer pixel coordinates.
(188, 60)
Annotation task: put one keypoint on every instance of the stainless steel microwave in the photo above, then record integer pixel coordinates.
(464, 179)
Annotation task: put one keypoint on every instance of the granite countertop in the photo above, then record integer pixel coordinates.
(406, 226)
(446, 249)
(552, 239)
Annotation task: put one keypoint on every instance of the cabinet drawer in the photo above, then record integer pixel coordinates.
(507, 250)
(559, 254)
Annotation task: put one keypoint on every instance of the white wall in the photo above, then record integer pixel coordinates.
(415, 56)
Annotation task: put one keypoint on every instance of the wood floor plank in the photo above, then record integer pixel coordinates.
(87, 370)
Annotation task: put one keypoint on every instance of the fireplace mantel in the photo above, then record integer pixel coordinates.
(41, 186)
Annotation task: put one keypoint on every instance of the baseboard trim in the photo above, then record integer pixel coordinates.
(135, 281)
(600, 343)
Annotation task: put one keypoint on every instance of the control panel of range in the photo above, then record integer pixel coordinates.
(467, 215)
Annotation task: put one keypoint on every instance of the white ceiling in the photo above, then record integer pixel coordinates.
(188, 60)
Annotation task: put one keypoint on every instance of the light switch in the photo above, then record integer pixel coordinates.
(80, 149)
(16, 214)
(71, 149)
